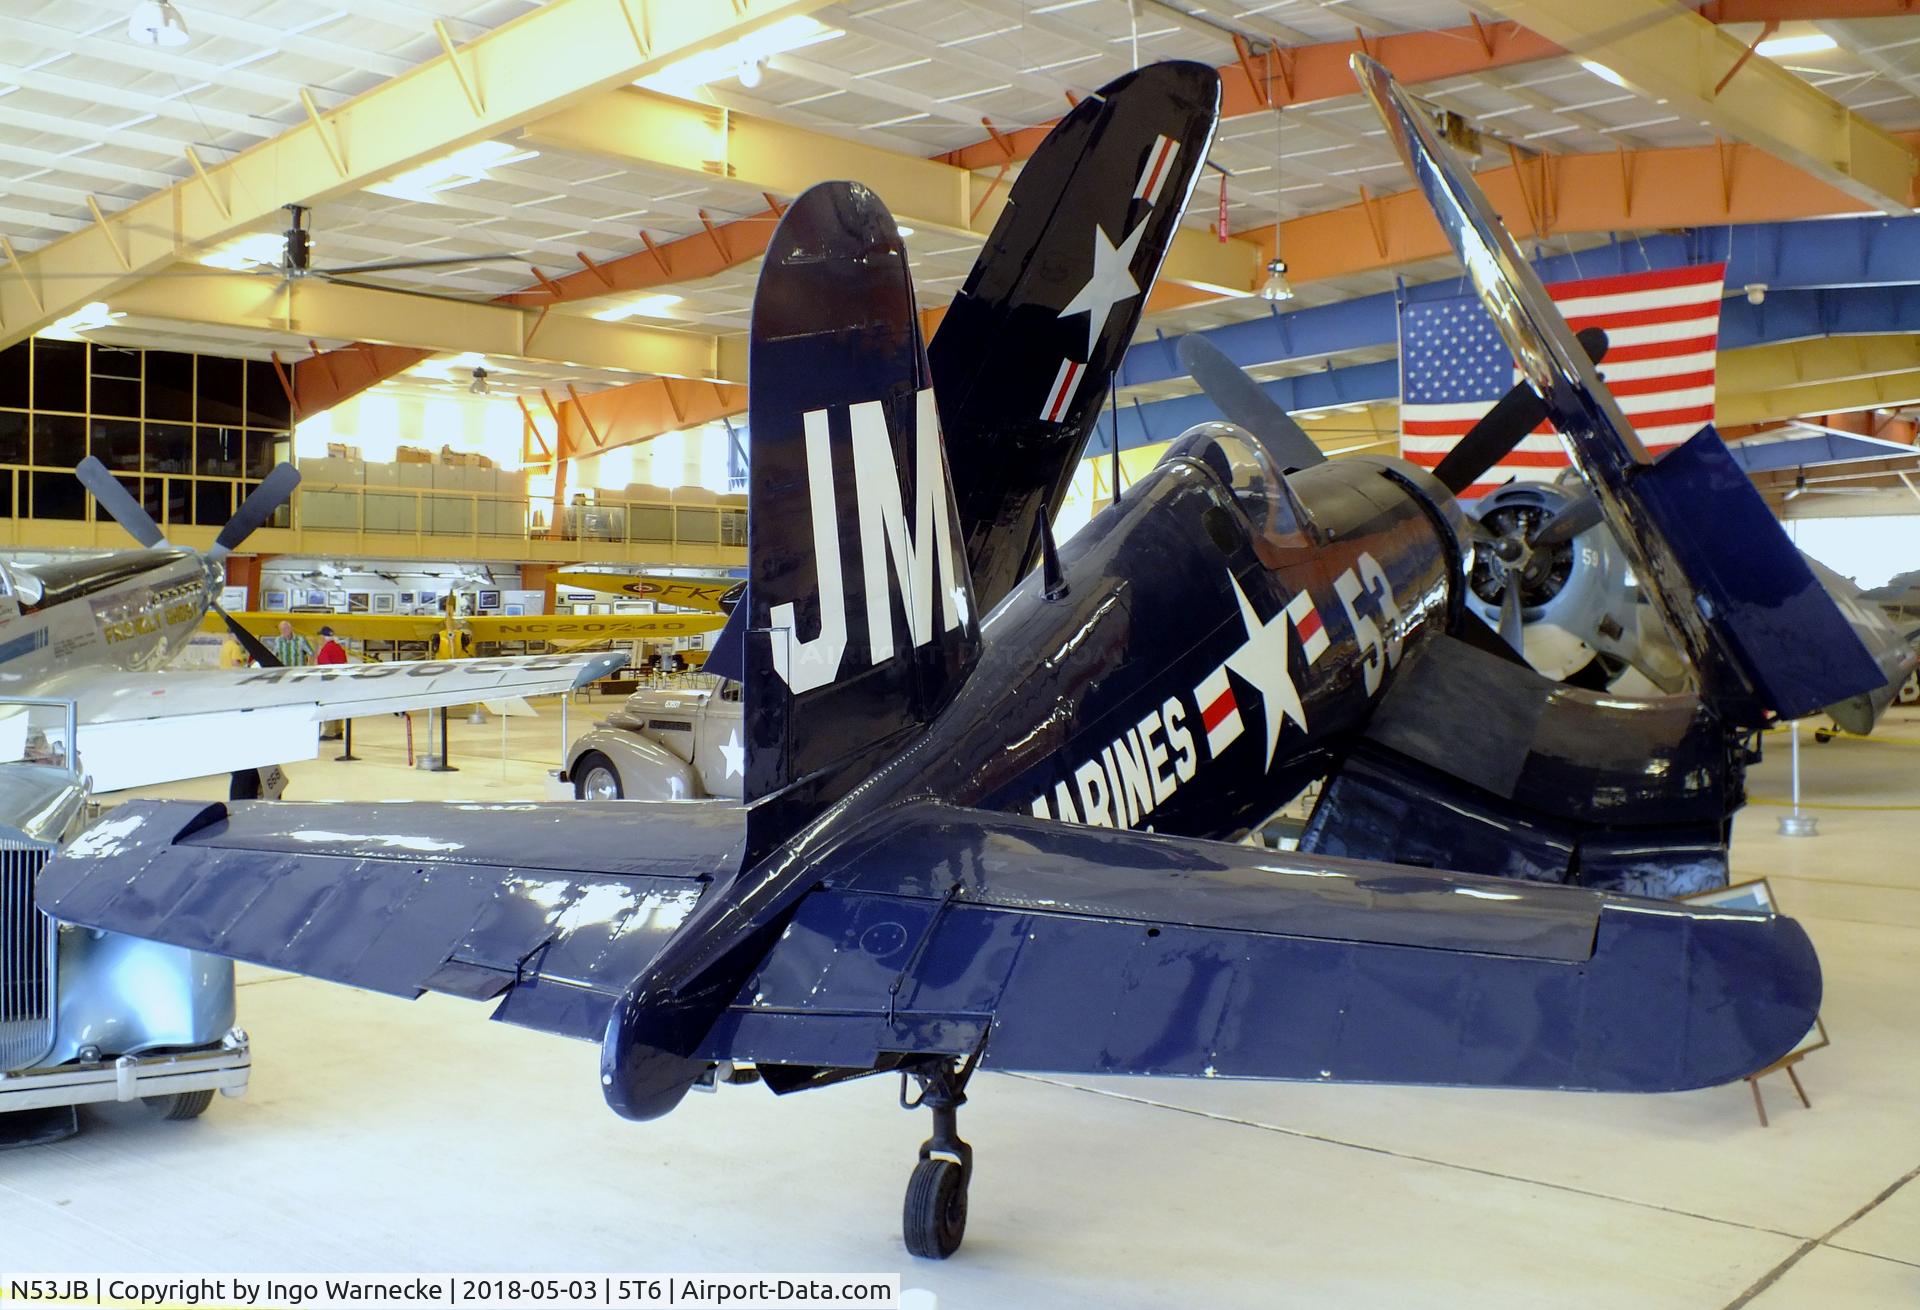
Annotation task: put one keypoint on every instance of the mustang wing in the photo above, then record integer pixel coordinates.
(550, 907)
(142, 728)
(1062, 948)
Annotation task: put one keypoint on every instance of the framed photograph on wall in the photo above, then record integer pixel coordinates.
(489, 600)
(337, 601)
(274, 600)
(406, 598)
(515, 610)
(383, 602)
(316, 600)
(357, 602)
(426, 597)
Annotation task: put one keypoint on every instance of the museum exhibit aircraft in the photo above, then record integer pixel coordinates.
(100, 631)
(932, 873)
(716, 594)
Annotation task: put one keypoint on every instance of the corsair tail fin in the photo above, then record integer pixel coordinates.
(1760, 632)
(861, 622)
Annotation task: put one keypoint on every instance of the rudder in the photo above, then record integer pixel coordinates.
(861, 622)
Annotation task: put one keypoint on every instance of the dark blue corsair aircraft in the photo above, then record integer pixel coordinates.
(934, 873)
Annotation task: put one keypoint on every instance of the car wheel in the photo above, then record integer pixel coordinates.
(595, 779)
(181, 1105)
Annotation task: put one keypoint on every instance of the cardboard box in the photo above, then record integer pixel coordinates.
(413, 455)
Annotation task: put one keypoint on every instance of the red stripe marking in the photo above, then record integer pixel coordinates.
(1665, 382)
(1214, 714)
(1066, 389)
(1159, 162)
(1660, 418)
(1660, 349)
(1694, 275)
(1309, 625)
(1642, 317)
(1448, 427)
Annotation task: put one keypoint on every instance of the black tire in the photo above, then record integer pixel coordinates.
(182, 1106)
(584, 770)
(934, 1220)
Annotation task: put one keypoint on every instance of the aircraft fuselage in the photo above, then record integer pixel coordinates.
(132, 610)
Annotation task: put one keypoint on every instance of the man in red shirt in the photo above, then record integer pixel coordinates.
(331, 652)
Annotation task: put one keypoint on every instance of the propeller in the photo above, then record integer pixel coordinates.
(1572, 519)
(1503, 427)
(1512, 630)
(259, 506)
(275, 490)
(1242, 401)
(117, 501)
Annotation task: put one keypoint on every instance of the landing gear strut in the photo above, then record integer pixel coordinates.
(934, 1220)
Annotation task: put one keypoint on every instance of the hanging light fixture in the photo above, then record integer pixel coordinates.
(156, 23)
(1276, 287)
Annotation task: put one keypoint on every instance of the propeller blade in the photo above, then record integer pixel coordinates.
(1242, 401)
(1572, 519)
(1511, 628)
(1504, 426)
(265, 658)
(116, 500)
(259, 506)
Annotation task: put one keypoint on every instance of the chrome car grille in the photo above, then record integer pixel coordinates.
(26, 960)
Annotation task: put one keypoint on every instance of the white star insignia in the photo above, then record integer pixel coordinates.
(1262, 661)
(734, 754)
(1110, 282)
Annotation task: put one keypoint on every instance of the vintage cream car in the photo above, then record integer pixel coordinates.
(677, 742)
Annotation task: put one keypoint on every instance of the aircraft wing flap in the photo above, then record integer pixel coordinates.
(1180, 972)
(353, 894)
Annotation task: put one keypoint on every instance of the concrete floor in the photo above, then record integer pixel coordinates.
(382, 1135)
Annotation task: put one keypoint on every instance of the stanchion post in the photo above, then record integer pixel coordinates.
(346, 754)
(1794, 823)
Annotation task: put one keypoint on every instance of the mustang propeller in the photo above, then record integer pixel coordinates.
(260, 505)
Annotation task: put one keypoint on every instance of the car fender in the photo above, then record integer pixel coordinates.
(126, 995)
(648, 770)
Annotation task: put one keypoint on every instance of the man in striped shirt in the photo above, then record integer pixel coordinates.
(290, 648)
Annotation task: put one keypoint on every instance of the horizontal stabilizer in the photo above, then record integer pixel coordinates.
(549, 908)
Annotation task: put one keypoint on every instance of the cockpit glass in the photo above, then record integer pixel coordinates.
(1244, 467)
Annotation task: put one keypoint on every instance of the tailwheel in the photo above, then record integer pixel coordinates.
(934, 1219)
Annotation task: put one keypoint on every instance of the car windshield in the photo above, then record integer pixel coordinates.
(1245, 469)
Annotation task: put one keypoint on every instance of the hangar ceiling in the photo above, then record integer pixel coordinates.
(650, 245)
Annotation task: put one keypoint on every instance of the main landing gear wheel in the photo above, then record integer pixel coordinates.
(934, 1220)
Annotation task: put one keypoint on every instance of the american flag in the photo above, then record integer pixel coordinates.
(1662, 327)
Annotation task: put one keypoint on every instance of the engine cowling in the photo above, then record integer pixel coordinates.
(1576, 597)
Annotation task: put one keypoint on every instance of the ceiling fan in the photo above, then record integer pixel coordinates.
(296, 260)
(1801, 488)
